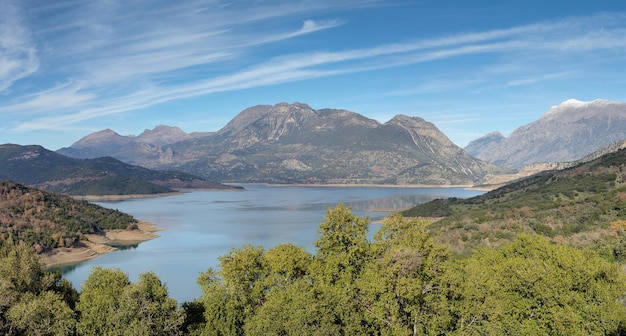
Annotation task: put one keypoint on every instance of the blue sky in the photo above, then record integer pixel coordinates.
(69, 68)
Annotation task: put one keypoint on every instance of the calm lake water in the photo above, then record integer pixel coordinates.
(200, 226)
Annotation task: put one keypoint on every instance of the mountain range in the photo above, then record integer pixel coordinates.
(293, 143)
(566, 132)
(42, 168)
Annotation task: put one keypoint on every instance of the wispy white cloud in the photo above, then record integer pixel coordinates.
(149, 62)
(62, 96)
(18, 58)
(541, 78)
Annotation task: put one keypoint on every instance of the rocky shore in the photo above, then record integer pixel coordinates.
(97, 244)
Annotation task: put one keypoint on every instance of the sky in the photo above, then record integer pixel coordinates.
(70, 68)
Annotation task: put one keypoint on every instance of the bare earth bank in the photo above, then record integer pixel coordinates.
(100, 244)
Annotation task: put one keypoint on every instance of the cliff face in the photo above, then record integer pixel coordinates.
(565, 132)
(293, 143)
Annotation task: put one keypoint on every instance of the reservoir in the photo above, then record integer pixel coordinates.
(199, 226)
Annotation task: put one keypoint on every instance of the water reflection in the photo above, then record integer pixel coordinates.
(393, 203)
(200, 226)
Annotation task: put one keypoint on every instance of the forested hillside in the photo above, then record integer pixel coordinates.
(403, 282)
(47, 220)
(584, 205)
(47, 170)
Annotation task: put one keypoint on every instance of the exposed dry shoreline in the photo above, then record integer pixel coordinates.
(100, 244)
(114, 198)
(372, 185)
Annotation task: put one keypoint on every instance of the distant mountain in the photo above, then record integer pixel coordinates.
(565, 132)
(39, 167)
(497, 180)
(110, 143)
(584, 205)
(484, 144)
(293, 143)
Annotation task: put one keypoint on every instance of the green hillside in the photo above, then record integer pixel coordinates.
(47, 170)
(582, 205)
(46, 220)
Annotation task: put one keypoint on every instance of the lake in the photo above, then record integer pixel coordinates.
(200, 226)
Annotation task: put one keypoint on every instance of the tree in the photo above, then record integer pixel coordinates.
(233, 293)
(288, 291)
(111, 305)
(342, 253)
(31, 300)
(401, 290)
(147, 309)
(287, 288)
(43, 314)
(532, 286)
(99, 302)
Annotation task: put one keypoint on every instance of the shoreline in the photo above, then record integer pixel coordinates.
(365, 185)
(96, 245)
(115, 198)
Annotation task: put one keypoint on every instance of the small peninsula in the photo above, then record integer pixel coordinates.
(97, 244)
(62, 229)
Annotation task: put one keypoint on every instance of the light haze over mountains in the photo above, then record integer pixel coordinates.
(293, 143)
(566, 132)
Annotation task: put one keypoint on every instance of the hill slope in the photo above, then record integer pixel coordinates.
(582, 205)
(293, 143)
(37, 166)
(565, 132)
(46, 220)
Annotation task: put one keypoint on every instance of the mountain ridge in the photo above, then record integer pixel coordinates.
(294, 143)
(565, 132)
(36, 166)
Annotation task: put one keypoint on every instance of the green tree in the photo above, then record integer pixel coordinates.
(43, 314)
(233, 293)
(111, 305)
(342, 252)
(295, 309)
(287, 289)
(31, 300)
(532, 286)
(99, 302)
(284, 264)
(147, 309)
(401, 290)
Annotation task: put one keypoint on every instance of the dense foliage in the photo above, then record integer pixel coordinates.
(403, 282)
(108, 185)
(48, 220)
(577, 205)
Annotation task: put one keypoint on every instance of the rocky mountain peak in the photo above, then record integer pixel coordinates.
(573, 109)
(162, 135)
(267, 122)
(419, 127)
(405, 120)
(105, 138)
(565, 132)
